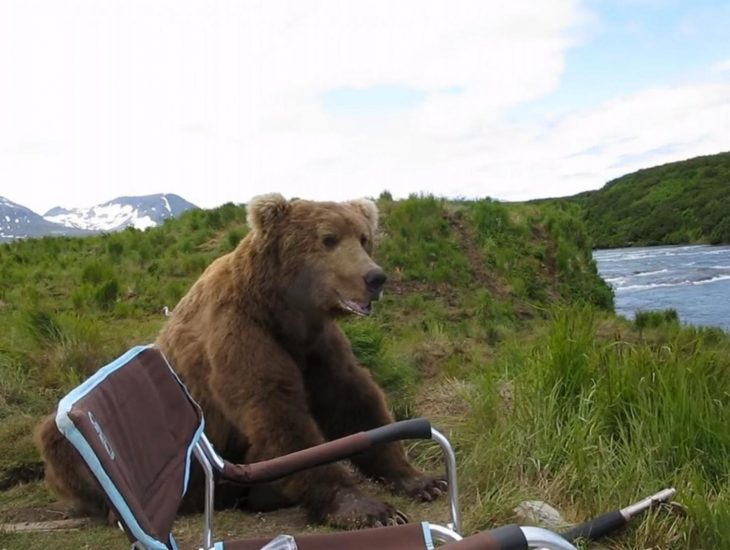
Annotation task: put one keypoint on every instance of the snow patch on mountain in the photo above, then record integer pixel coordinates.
(19, 222)
(139, 212)
(108, 217)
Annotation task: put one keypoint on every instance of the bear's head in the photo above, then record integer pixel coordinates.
(321, 252)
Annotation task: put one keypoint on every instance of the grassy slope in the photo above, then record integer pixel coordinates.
(680, 202)
(495, 325)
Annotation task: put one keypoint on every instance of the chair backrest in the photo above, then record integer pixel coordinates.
(135, 426)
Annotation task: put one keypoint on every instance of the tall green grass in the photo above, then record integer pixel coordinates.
(597, 424)
(419, 243)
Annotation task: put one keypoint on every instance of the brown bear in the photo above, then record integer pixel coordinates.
(256, 342)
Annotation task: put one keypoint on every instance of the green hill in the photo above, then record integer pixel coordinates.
(677, 203)
(495, 325)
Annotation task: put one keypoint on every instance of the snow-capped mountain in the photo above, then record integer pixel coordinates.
(19, 222)
(139, 212)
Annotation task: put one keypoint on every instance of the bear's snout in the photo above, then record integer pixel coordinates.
(374, 280)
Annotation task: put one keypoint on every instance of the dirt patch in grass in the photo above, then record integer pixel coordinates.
(19, 460)
(28, 514)
(467, 237)
(443, 402)
(21, 473)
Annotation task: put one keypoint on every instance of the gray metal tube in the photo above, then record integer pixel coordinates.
(453, 489)
(209, 450)
(209, 495)
(439, 533)
(638, 507)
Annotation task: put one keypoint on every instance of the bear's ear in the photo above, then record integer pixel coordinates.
(265, 210)
(367, 208)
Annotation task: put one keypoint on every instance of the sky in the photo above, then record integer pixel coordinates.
(337, 99)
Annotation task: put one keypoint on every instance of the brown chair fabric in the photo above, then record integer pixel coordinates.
(140, 423)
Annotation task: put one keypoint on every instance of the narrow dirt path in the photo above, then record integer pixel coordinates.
(469, 243)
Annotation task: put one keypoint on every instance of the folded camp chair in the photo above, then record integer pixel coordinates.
(136, 427)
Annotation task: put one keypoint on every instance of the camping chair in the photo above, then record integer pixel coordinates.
(137, 427)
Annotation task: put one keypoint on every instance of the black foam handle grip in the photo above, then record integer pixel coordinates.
(596, 528)
(509, 537)
(418, 428)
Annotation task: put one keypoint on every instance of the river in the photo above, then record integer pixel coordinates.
(694, 280)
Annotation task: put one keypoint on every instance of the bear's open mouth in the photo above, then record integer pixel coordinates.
(358, 309)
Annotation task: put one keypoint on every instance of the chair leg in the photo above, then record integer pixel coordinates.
(209, 496)
(450, 459)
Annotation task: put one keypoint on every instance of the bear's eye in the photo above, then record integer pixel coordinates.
(330, 241)
(363, 240)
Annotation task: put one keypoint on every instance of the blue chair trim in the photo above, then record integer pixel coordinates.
(68, 429)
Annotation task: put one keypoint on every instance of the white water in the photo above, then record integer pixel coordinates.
(694, 280)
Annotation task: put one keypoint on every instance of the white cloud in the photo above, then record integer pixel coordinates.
(585, 149)
(221, 101)
(722, 66)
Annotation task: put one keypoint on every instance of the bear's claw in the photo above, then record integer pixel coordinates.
(422, 487)
(352, 510)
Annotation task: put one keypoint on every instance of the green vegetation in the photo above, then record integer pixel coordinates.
(654, 319)
(494, 324)
(677, 203)
(595, 420)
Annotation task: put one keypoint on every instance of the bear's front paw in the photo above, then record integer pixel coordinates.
(352, 510)
(421, 487)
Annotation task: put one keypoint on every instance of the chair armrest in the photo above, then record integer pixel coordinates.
(325, 453)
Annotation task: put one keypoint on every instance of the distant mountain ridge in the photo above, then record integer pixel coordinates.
(20, 222)
(114, 215)
(681, 202)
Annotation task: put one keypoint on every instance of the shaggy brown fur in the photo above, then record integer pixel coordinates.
(256, 342)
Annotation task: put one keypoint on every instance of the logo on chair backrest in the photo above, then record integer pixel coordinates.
(102, 437)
